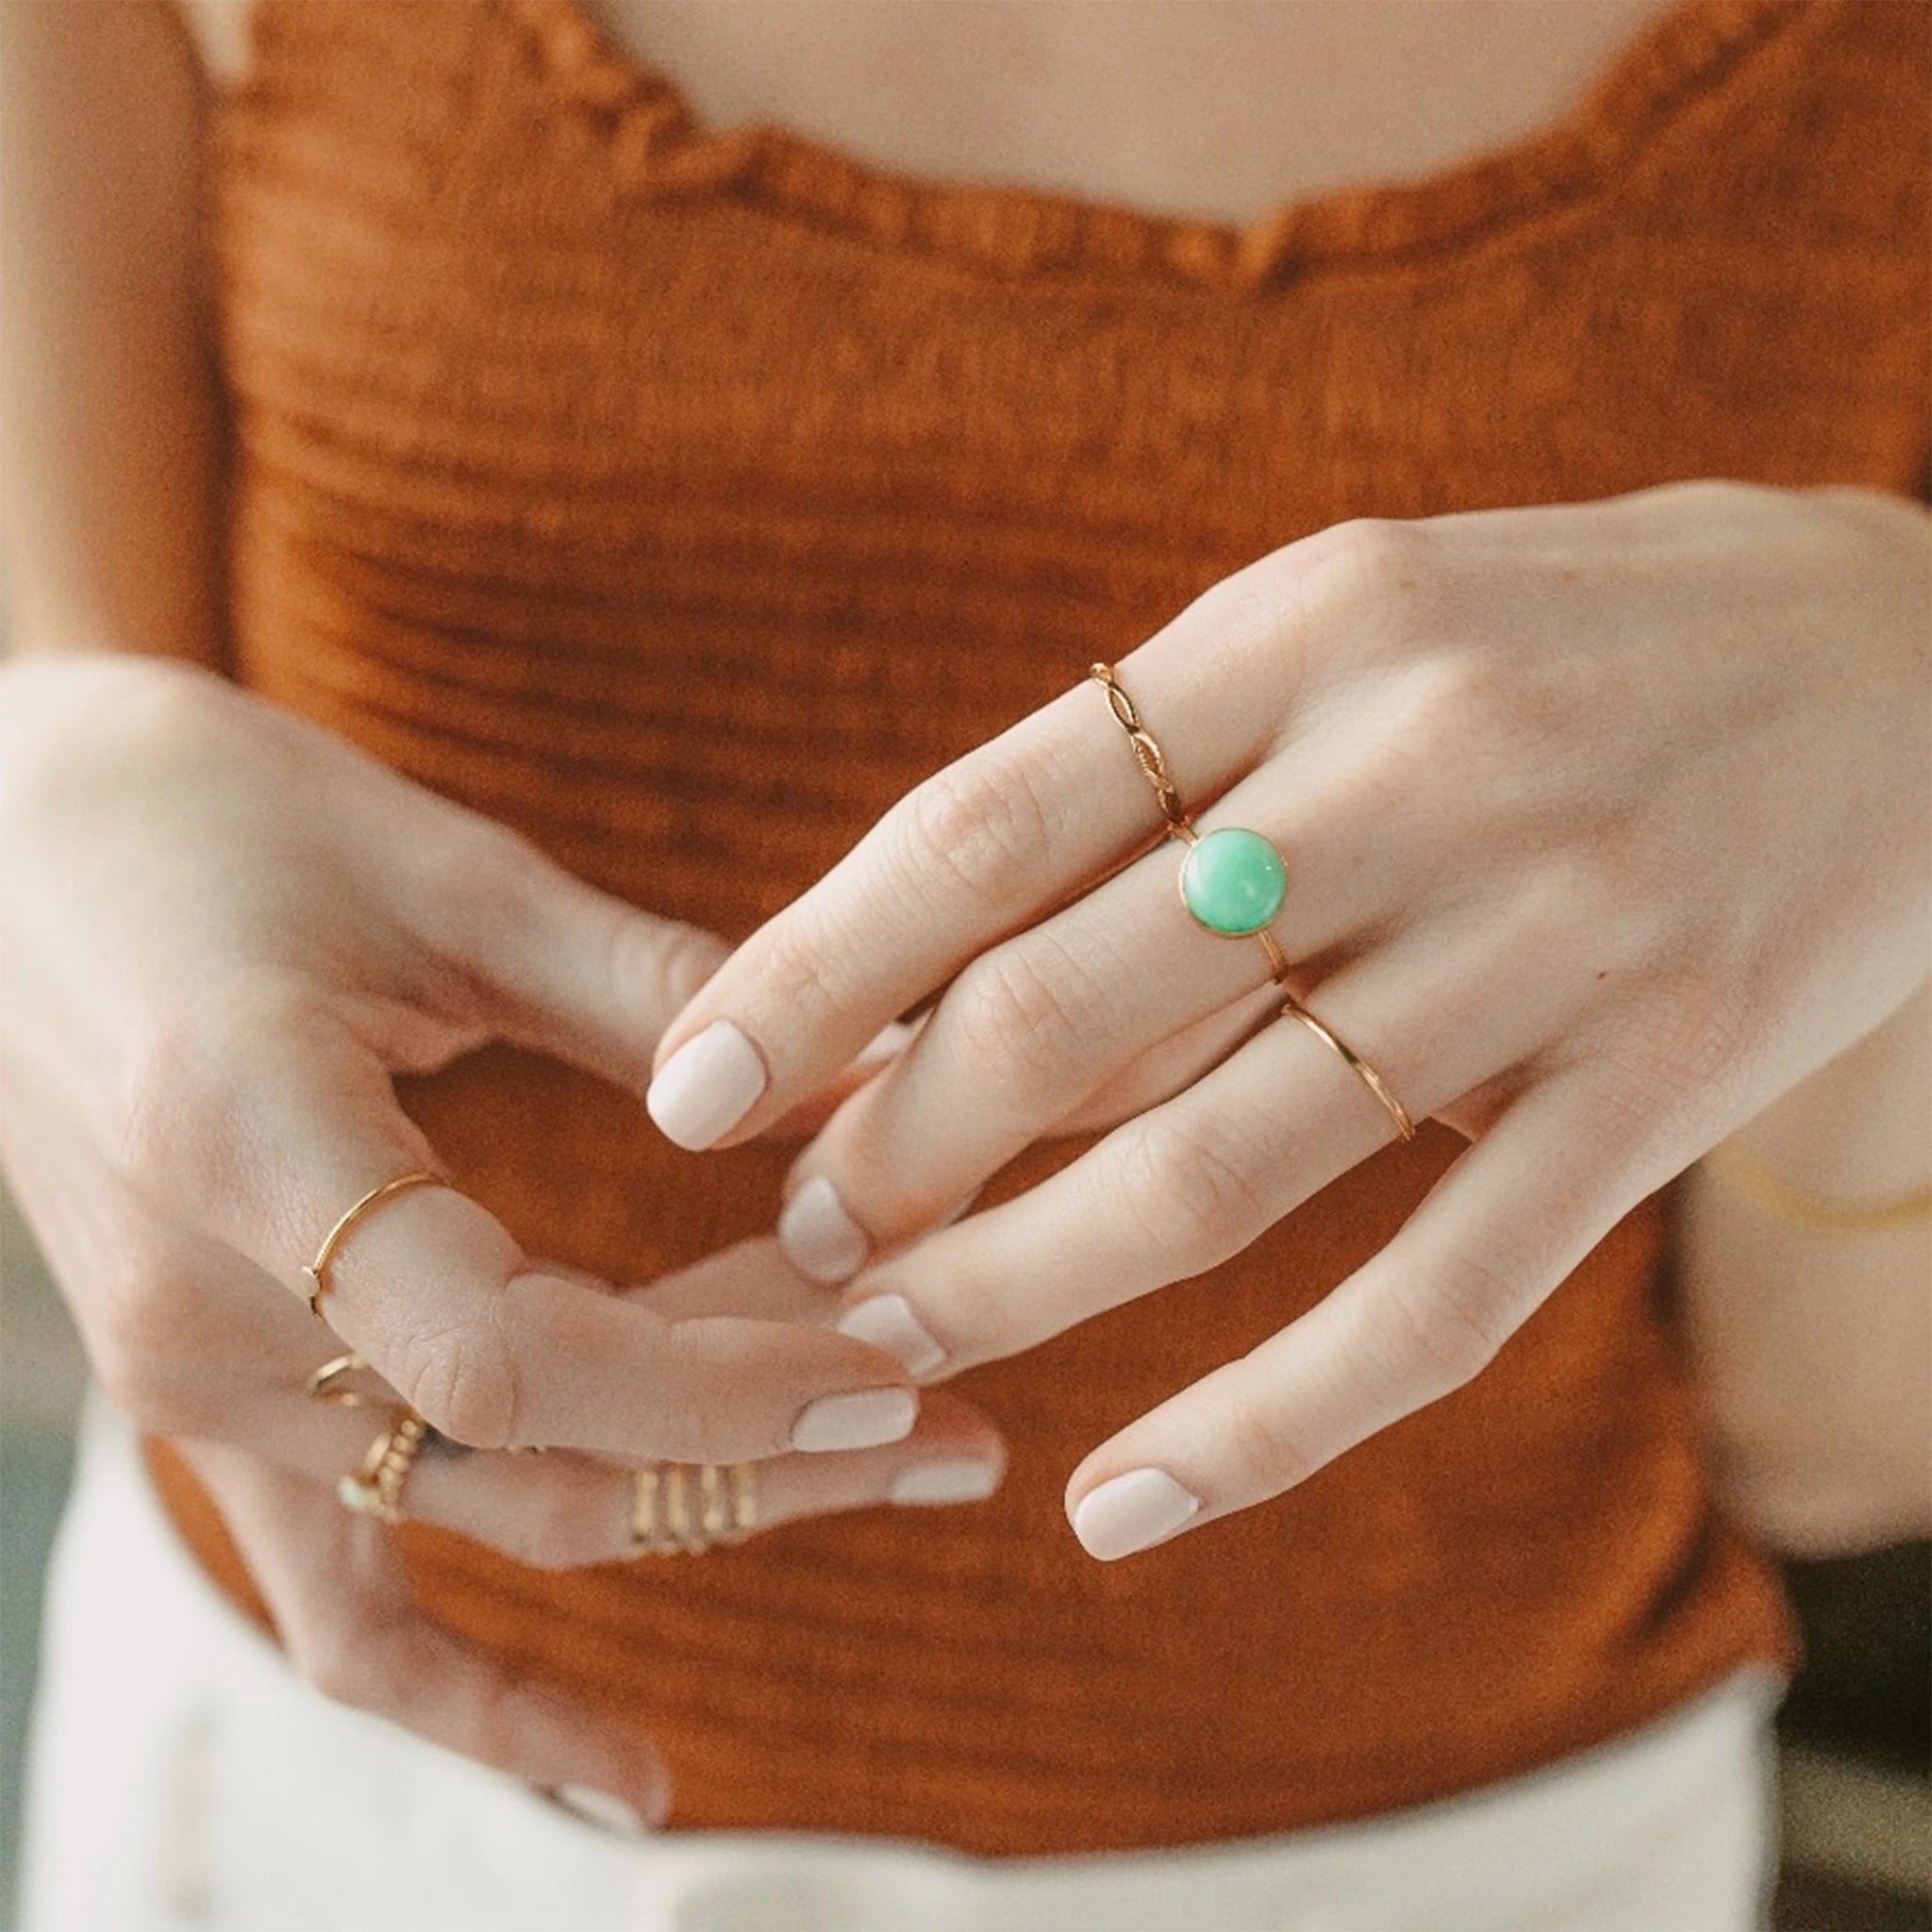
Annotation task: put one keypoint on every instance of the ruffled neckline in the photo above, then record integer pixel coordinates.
(657, 145)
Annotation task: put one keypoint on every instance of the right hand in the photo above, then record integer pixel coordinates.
(224, 933)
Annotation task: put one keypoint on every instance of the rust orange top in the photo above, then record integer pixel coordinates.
(683, 498)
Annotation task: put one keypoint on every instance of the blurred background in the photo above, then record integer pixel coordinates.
(1857, 1760)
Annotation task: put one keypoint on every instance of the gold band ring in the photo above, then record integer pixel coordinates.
(328, 1383)
(1355, 1064)
(663, 1522)
(317, 1271)
(1233, 880)
(376, 1488)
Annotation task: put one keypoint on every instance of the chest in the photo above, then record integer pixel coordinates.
(1214, 107)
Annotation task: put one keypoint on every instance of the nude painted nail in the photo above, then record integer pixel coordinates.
(957, 1481)
(707, 1087)
(599, 1807)
(818, 1237)
(1132, 1512)
(856, 1421)
(888, 1044)
(886, 1322)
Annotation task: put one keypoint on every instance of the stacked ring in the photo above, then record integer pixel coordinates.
(375, 1488)
(1233, 882)
(662, 1521)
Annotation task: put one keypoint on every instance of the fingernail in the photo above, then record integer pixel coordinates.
(945, 1482)
(707, 1087)
(855, 1422)
(818, 1237)
(599, 1807)
(886, 1322)
(1131, 1512)
(888, 1044)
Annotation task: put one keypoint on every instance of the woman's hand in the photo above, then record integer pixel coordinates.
(1602, 826)
(224, 933)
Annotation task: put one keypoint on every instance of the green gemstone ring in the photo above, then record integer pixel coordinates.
(1233, 881)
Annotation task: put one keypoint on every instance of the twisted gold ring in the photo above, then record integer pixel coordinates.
(663, 1522)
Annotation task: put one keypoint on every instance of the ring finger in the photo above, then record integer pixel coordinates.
(1183, 1186)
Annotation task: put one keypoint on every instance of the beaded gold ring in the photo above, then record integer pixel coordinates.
(375, 1488)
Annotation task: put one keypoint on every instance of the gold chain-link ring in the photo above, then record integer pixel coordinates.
(375, 1488)
(317, 1271)
(1181, 828)
(663, 1521)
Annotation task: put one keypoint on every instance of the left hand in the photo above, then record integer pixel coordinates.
(1604, 825)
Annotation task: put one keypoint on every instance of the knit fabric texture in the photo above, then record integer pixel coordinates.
(683, 497)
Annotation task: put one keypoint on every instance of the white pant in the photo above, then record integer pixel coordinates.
(183, 1777)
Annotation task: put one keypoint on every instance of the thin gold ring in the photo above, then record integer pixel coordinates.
(376, 1487)
(1293, 1010)
(668, 1520)
(327, 1383)
(317, 1271)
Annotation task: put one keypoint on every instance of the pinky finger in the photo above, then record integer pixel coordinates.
(1504, 1227)
(336, 1586)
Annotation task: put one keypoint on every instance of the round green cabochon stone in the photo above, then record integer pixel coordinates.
(1233, 881)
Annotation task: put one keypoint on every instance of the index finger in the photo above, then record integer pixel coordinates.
(492, 1348)
(976, 852)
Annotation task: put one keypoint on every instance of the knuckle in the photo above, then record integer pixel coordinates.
(1445, 1335)
(1369, 561)
(181, 1113)
(673, 960)
(169, 1101)
(1196, 1197)
(142, 1346)
(1023, 1019)
(1267, 1454)
(978, 829)
(807, 969)
(1650, 1084)
(1705, 1031)
(463, 1382)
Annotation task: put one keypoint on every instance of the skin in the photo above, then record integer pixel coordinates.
(1608, 825)
(177, 1194)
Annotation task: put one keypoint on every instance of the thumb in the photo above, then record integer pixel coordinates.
(575, 972)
